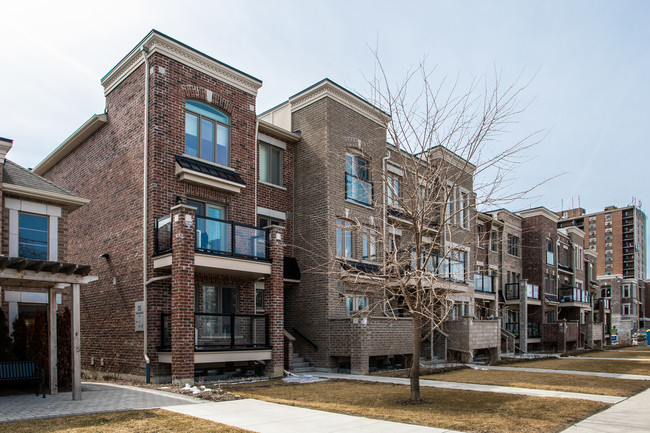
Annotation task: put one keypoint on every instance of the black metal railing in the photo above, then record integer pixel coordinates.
(214, 331)
(512, 291)
(513, 328)
(533, 330)
(301, 335)
(219, 237)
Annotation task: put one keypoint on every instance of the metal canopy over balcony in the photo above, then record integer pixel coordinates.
(221, 247)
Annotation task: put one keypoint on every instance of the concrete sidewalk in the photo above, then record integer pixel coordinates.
(629, 416)
(95, 398)
(476, 387)
(265, 417)
(579, 373)
(608, 359)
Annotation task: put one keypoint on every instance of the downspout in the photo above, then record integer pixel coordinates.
(257, 128)
(385, 214)
(145, 51)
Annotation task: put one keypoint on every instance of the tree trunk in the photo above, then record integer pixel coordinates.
(415, 362)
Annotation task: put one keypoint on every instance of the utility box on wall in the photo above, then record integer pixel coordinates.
(139, 316)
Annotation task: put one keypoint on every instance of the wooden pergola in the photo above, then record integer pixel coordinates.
(52, 277)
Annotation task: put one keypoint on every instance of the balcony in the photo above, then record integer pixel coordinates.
(358, 190)
(217, 336)
(513, 328)
(560, 333)
(565, 268)
(534, 330)
(512, 291)
(604, 302)
(574, 295)
(483, 283)
(221, 247)
(468, 334)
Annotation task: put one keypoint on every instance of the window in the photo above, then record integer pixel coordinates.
(592, 240)
(550, 316)
(550, 259)
(259, 296)
(368, 244)
(207, 133)
(608, 251)
(32, 236)
(608, 237)
(592, 218)
(212, 233)
(608, 244)
(354, 304)
(608, 215)
(464, 210)
(265, 221)
(626, 291)
(343, 239)
(494, 241)
(592, 233)
(609, 259)
(625, 309)
(609, 266)
(457, 263)
(393, 191)
(608, 272)
(578, 257)
(358, 187)
(513, 245)
(479, 236)
(270, 164)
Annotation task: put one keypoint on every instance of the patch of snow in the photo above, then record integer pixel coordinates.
(303, 379)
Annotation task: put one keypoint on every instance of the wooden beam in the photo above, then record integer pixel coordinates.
(76, 343)
(53, 343)
(25, 276)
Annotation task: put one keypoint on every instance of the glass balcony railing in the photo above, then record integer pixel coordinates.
(222, 331)
(575, 295)
(533, 330)
(215, 236)
(483, 283)
(358, 190)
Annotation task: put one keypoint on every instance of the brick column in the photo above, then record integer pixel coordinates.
(359, 360)
(182, 295)
(274, 301)
(523, 316)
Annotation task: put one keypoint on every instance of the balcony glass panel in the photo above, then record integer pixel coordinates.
(163, 235)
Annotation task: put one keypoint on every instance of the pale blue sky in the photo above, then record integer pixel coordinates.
(591, 91)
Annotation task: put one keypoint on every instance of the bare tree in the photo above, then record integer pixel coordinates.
(439, 169)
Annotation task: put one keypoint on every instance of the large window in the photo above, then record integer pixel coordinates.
(207, 133)
(550, 260)
(393, 190)
(513, 245)
(354, 304)
(368, 244)
(358, 187)
(343, 239)
(270, 164)
(32, 236)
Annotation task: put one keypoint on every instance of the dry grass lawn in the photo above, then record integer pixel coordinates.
(587, 364)
(459, 410)
(147, 421)
(549, 381)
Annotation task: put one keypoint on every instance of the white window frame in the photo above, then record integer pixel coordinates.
(16, 206)
(268, 163)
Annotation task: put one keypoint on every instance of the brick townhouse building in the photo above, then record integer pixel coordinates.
(188, 244)
(35, 274)
(549, 295)
(343, 210)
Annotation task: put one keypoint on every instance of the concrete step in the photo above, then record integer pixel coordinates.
(301, 369)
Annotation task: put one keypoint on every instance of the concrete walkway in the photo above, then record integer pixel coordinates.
(265, 417)
(629, 416)
(95, 398)
(249, 414)
(579, 373)
(608, 359)
(476, 387)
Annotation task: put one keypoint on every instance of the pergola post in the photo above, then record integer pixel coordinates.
(76, 343)
(52, 337)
